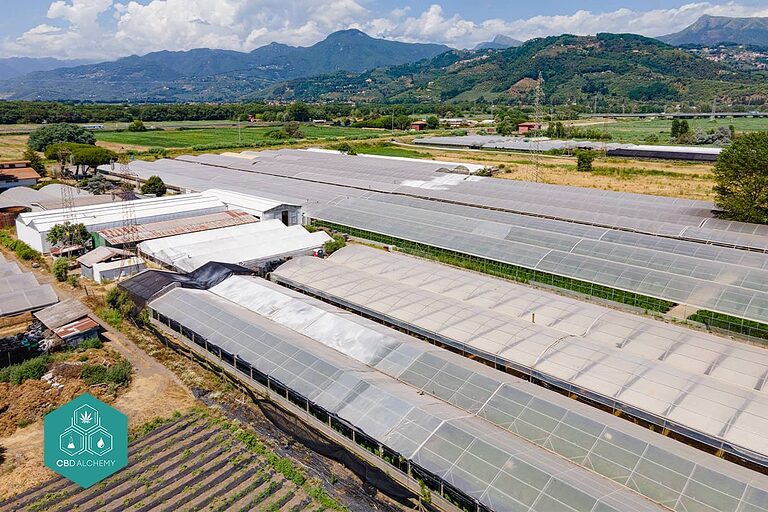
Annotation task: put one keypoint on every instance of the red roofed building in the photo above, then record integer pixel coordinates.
(17, 174)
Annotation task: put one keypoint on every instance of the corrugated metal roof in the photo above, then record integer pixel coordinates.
(246, 202)
(75, 328)
(173, 227)
(101, 254)
(18, 173)
(62, 313)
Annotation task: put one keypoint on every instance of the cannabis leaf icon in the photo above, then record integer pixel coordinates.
(85, 417)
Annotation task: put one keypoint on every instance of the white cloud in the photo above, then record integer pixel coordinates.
(113, 28)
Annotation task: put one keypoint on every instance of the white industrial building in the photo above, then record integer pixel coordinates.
(250, 245)
(260, 207)
(33, 227)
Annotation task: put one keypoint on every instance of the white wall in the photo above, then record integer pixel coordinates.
(31, 237)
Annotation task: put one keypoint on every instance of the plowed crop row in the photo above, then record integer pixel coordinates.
(188, 465)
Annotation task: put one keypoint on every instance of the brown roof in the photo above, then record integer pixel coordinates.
(75, 328)
(18, 173)
(161, 229)
(15, 162)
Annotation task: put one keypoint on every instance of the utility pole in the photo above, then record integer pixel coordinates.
(128, 195)
(538, 118)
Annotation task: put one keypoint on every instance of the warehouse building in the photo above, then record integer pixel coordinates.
(33, 227)
(115, 270)
(99, 255)
(257, 246)
(261, 208)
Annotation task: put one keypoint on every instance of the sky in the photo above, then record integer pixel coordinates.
(108, 29)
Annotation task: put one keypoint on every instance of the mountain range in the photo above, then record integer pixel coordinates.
(13, 67)
(351, 66)
(213, 75)
(615, 67)
(711, 30)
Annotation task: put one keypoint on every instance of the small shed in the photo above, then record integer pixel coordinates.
(118, 269)
(528, 127)
(70, 321)
(419, 126)
(99, 255)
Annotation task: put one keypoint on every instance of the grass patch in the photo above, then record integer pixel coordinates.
(633, 172)
(731, 323)
(90, 343)
(387, 149)
(112, 316)
(505, 270)
(33, 369)
(223, 138)
(119, 374)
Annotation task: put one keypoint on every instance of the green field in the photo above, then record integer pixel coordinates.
(222, 136)
(638, 131)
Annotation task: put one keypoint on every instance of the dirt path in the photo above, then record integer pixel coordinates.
(154, 391)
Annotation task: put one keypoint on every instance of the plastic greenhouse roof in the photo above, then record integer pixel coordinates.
(312, 176)
(491, 465)
(20, 292)
(685, 400)
(236, 244)
(653, 465)
(730, 289)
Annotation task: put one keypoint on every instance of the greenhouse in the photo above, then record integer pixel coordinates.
(685, 400)
(653, 465)
(467, 459)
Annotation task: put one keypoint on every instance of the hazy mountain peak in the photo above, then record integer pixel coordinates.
(500, 42)
(711, 30)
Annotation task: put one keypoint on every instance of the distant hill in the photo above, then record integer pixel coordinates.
(711, 30)
(499, 42)
(13, 67)
(214, 75)
(615, 67)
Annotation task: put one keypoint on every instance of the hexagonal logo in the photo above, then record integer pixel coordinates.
(86, 440)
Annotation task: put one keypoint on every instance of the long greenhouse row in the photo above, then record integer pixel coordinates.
(682, 397)
(721, 286)
(465, 458)
(452, 422)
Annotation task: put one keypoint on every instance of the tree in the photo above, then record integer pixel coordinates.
(432, 122)
(741, 178)
(154, 185)
(293, 129)
(67, 233)
(298, 111)
(84, 156)
(54, 133)
(137, 126)
(675, 131)
(60, 269)
(584, 160)
(35, 162)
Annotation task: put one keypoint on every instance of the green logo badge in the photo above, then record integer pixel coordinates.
(86, 440)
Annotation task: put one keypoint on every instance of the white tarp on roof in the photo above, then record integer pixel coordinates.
(245, 244)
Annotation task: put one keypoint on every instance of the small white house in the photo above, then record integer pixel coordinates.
(118, 269)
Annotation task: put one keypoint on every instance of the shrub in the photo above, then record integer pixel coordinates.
(112, 316)
(137, 126)
(118, 374)
(118, 300)
(154, 185)
(33, 368)
(158, 151)
(584, 160)
(346, 148)
(60, 269)
(90, 343)
(334, 245)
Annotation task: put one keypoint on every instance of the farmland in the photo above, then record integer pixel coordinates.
(195, 462)
(255, 136)
(644, 130)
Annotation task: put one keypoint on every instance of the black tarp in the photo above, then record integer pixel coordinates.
(143, 287)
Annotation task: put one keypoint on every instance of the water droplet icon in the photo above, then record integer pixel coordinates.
(100, 443)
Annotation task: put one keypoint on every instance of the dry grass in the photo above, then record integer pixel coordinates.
(12, 146)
